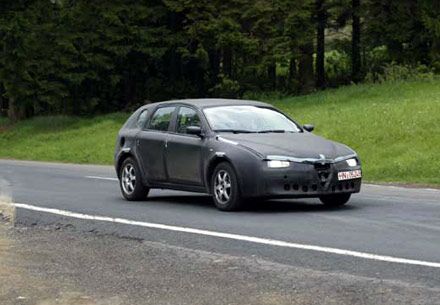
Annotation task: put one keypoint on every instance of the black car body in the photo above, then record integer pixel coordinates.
(163, 152)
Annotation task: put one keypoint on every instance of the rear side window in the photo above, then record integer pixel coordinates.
(161, 118)
(142, 119)
(186, 117)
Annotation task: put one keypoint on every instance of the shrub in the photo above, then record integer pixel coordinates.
(394, 72)
(337, 68)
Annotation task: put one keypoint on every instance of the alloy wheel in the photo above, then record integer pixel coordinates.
(128, 179)
(222, 187)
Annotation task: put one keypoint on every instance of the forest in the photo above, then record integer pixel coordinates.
(78, 57)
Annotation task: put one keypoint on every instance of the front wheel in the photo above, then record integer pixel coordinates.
(335, 200)
(224, 188)
(130, 181)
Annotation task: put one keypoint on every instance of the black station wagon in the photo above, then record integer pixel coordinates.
(235, 150)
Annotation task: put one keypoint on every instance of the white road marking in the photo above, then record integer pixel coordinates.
(402, 188)
(257, 240)
(102, 178)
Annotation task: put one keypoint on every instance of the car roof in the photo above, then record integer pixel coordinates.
(210, 102)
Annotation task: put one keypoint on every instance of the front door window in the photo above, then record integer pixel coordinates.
(185, 118)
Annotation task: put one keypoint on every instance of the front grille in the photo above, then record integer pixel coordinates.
(323, 170)
(323, 176)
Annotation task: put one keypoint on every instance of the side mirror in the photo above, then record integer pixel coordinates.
(309, 127)
(194, 130)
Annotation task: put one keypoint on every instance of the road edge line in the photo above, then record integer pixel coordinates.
(232, 236)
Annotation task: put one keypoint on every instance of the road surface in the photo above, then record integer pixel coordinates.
(386, 233)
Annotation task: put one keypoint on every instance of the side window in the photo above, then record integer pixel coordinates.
(186, 117)
(142, 119)
(161, 118)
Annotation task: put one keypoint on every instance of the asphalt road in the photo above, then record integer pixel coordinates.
(387, 221)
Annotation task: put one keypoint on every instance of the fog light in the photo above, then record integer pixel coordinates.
(277, 164)
(352, 162)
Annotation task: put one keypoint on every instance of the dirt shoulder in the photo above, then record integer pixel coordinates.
(54, 265)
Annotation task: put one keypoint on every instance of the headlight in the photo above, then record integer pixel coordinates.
(277, 164)
(352, 162)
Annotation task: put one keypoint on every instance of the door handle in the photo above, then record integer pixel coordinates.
(166, 143)
(138, 142)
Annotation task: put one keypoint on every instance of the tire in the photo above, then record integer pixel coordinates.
(130, 181)
(225, 189)
(336, 200)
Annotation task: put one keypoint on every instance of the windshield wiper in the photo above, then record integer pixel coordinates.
(235, 130)
(272, 131)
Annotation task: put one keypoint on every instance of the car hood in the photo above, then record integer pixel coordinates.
(298, 145)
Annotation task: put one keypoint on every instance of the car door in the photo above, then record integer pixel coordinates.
(151, 142)
(184, 151)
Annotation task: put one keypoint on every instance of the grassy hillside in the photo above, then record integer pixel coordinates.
(395, 128)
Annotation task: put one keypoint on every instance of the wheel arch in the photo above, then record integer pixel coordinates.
(124, 154)
(216, 160)
(122, 157)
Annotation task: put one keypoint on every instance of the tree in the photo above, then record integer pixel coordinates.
(84, 57)
(321, 21)
(406, 28)
(429, 12)
(356, 42)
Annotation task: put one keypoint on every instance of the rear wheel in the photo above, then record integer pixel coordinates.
(224, 188)
(335, 200)
(130, 181)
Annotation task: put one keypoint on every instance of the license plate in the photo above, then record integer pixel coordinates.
(349, 175)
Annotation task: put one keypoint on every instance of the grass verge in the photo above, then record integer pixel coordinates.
(62, 138)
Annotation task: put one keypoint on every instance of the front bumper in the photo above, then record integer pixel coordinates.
(307, 180)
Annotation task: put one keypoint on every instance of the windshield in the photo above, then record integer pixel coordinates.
(248, 119)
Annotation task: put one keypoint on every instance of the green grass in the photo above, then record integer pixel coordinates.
(395, 128)
(61, 138)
